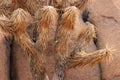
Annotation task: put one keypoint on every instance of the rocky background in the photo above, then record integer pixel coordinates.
(105, 15)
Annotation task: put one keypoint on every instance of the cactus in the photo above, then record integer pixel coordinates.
(63, 15)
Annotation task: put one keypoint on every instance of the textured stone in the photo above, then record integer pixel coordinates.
(105, 14)
(5, 42)
(20, 66)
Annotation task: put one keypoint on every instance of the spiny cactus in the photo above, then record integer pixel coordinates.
(29, 5)
(5, 24)
(82, 58)
(21, 19)
(62, 36)
(49, 17)
(66, 60)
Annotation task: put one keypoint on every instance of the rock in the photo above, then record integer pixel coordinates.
(105, 14)
(5, 42)
(20, 65)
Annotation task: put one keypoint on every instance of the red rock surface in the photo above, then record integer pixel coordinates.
(20, 66)
(105, 14)
(5, 41)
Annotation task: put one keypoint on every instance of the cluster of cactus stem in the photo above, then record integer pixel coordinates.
(59, 13)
